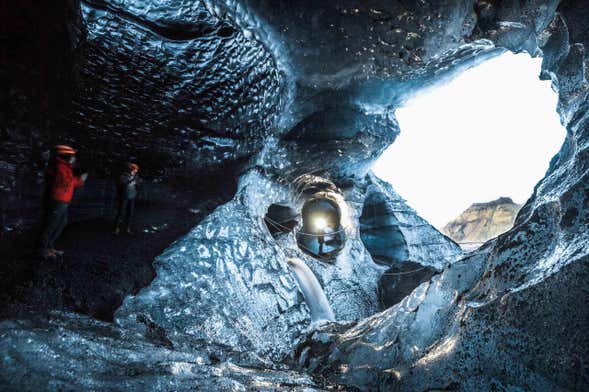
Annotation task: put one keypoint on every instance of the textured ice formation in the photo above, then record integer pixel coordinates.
(180, 83)
(310, 88)
(506, 317)
(230, 281)
(393, 232)
(227, 281)
(69, 352)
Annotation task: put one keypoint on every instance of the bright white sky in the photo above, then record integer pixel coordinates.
(490, 132)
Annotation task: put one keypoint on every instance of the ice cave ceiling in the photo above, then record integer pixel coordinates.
(240, 104)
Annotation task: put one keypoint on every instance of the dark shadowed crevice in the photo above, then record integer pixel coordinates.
(280, 219)
(327, 125)
(380, 233)
(400, 280)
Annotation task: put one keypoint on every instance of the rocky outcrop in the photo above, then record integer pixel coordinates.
(482, 222)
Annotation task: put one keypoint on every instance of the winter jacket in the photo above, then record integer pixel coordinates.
(127, 185)
(64, 181)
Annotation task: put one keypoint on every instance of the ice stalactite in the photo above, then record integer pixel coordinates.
(312, 291)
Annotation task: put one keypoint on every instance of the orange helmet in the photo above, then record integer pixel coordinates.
(62, 149)
(133, 166)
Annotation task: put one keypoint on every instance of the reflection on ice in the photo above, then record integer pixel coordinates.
(440, 351)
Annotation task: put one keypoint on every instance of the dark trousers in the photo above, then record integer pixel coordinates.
(55, 222)
(125, 211)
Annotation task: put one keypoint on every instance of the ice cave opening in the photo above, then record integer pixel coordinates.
(280, 219)
(321, 234)
(471, 150)
(314, 214)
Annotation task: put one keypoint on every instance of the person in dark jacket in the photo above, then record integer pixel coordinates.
(127, 190)
(60, 190)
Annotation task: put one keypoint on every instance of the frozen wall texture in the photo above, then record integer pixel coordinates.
(264, 94)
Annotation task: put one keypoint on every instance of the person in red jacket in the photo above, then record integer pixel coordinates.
(60, 193)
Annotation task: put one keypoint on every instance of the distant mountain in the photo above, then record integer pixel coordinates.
(482, 221)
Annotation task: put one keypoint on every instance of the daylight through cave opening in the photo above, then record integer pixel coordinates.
(471, 151)
(321, 234)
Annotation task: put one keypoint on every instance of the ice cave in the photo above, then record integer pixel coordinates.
(263, 253)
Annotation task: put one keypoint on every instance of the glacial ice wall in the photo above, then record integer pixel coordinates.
(508, 315)
(174, 81)
(71, 352)
(226, 281)
(387, 222)
(311, 87)
(229, 281)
